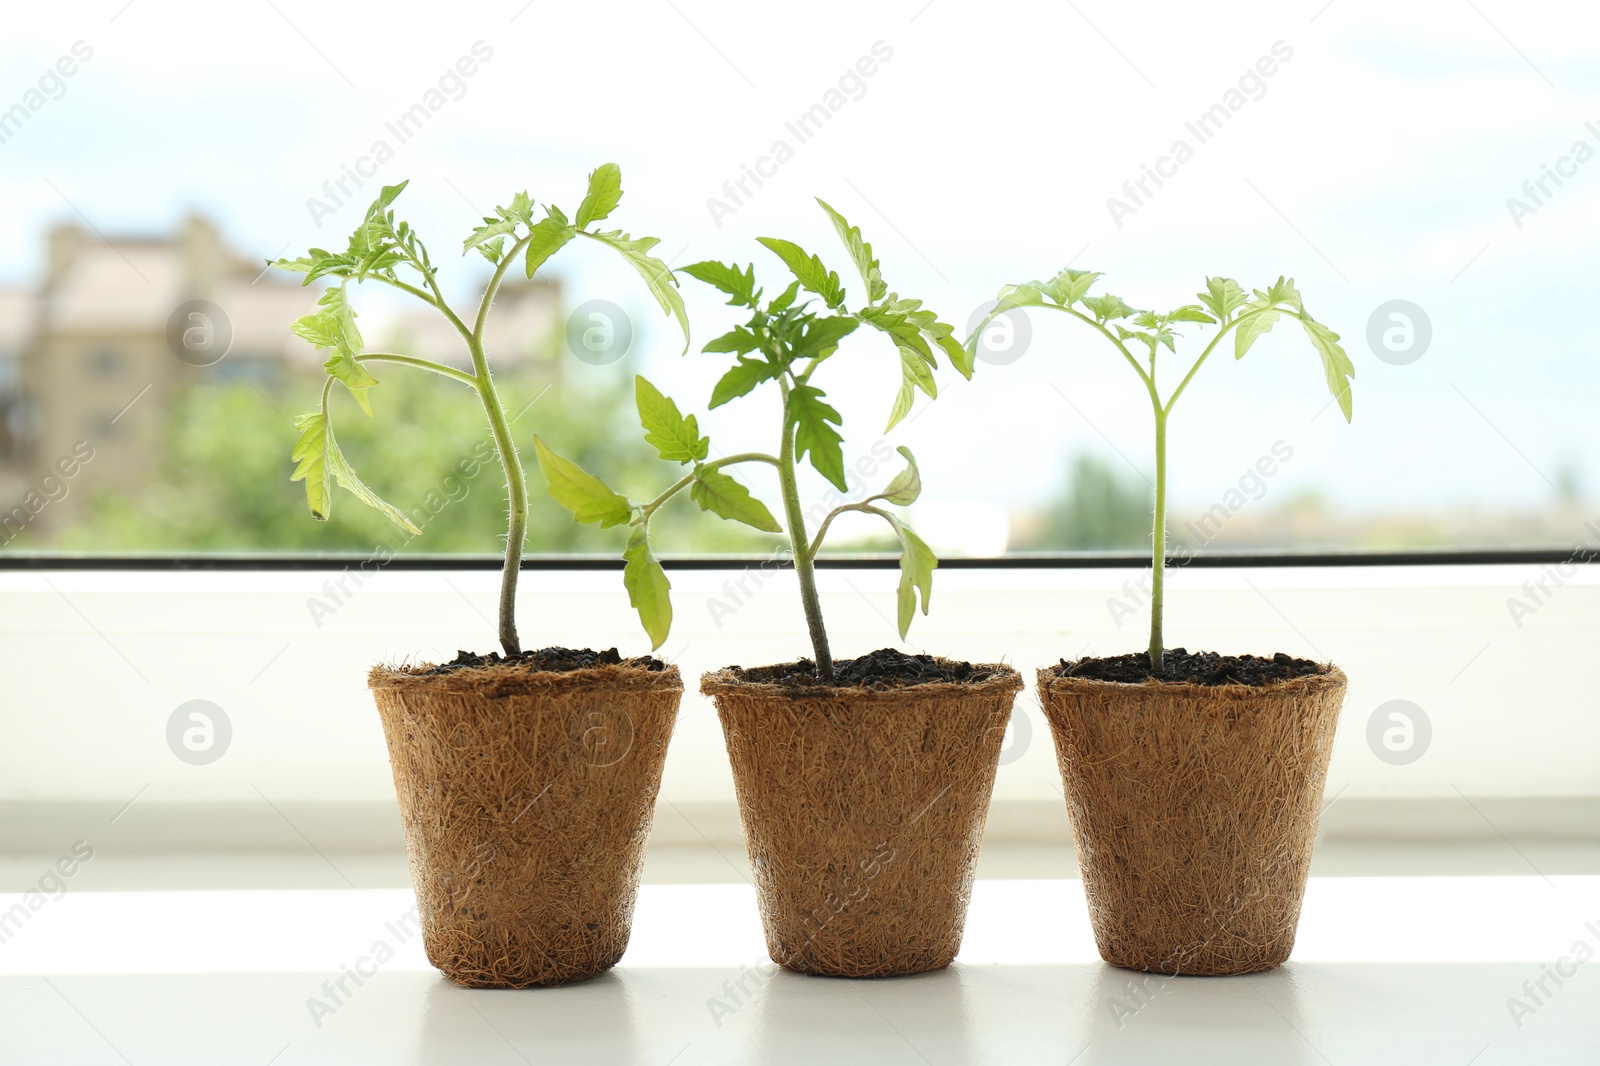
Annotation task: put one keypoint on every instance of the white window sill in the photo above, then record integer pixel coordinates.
(1386, 970)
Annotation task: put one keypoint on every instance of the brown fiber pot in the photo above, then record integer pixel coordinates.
(1194, 809)
(526, 798)
(863, 810)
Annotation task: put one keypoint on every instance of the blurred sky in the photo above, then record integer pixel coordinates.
(1375, 165)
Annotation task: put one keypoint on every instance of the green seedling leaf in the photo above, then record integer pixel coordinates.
(821, 336)
(352, 375)
(548, 236)
(1337, 370)
(740, 286)
(321, 463)
(1223, 297)
(1190, 313)
(491, 229)
(917, 563)
(784, 299)
(725, 497)
(860, 254)
(661, 282)
(677, 439)
(915, 373)
(1107, 308)
(649, 591)
(807, 269)
(590, 500)
(814, 433)
(1262, 317)
(1069, 286)
(906, 486)
(738, 340)
(746, 375)
(605, 192)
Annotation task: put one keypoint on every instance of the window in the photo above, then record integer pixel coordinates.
(1324, 150)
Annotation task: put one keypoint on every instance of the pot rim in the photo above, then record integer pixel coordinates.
(1050, 682)
(725, 682)
(502, 679)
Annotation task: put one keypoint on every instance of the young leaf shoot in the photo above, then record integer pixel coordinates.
(389, 252)
(1223, 304)
(785, 340)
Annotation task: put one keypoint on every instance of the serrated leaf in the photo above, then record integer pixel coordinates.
(590, 500)
(1223, 296)
(737, 340)
(310, 454)
(1282, 291)
(739, 285)
(814, 435)
(605, 192)
(675, 438)
(821, 336)
(352, 375)
(520, 209)
(661, 282)
(725, 497)
(548, 236)
(807, 269)
(1107, 307)
(917, 564)
(493, 250)
(745, 376)
(784, 299)
(1028, 294)
(1262, 317)
(1190, 313)
(320, 464)
(1069, 286)
(915, 373)
(649, 591)
(904, 488)
(1337, 370)
(491, 229)
(860, 254)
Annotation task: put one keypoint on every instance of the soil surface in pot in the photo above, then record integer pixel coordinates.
(885, 668)
(554, 660)
(1192, 668)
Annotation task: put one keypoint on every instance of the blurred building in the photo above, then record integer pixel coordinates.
(98, 350)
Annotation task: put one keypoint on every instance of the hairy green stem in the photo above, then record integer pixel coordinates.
(864, 506)
(1158, 550)
(795, 519)
(420, 364)
(510, 461)
(646, 510)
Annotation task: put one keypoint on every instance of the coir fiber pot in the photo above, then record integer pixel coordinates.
(526, 797)
(863, 810)
(1194, 809)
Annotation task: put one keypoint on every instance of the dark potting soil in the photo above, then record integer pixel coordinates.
(884, 668)
(1193, 668)
(555, 660)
